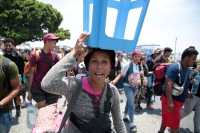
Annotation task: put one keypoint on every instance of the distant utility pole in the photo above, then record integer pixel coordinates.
(175, 50)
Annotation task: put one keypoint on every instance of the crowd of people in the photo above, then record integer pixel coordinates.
(99, 72)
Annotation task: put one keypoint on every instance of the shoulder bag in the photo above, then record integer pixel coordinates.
(176, 89)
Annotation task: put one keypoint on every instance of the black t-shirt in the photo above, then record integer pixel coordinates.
(193, 74)
(18, 60)
(113, 73)
(150, 63)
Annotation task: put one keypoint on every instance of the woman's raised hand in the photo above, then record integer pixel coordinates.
(79, 47)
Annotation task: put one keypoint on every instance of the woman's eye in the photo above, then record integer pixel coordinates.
(105, 62)
(94, 61)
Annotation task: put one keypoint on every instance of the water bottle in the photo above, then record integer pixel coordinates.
(196, 84)
(31, 116)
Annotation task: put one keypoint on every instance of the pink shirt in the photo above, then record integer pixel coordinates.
(88, 88)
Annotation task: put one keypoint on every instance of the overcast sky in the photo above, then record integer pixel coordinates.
(165, 20)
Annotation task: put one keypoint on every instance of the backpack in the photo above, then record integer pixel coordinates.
(134, 79)
(160, 70)
(5, 67)
(159, 80)
(27, 65)
(120, 82)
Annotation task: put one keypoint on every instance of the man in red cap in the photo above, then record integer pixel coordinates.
(47, 58)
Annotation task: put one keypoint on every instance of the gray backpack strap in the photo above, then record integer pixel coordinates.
(107, 103)
(179, 74)
(71, 104)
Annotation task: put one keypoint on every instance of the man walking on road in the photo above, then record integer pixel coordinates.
(47, 58)
(194, 103)
(10, 88)
(171, 103)
(19, 61)
(150, 64)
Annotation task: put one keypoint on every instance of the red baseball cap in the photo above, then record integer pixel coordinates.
(136, 52)
(50, 36)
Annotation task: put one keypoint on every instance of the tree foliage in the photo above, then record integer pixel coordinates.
(29, 20)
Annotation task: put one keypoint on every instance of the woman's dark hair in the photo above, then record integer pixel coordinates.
(8, 40)
(111, 54)
(143, 57)
(189, 52)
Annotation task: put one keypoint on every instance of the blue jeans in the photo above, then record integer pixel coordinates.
(5, 122)
(130, 93)
(149, 89)
(149, 94)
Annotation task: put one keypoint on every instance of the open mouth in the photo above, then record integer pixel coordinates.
(99, 75)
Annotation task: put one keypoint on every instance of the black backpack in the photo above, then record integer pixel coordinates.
(5, 67)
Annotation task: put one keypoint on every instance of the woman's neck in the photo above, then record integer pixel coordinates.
(95, 86)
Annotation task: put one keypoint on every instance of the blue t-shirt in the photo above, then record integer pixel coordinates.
(172, 74)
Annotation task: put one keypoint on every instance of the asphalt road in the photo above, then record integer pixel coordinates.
(147, 121)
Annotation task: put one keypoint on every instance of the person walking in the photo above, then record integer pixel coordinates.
(17, 58)
(172, 103)
(150, 64)
(47, 58)
(26, 54)
(193, 103)
(130, 67)
(10, 88)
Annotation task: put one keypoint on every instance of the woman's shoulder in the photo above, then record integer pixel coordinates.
(72, 82)
(114, 89)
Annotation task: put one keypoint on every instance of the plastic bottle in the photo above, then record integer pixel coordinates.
(196, 84)
(31, 116)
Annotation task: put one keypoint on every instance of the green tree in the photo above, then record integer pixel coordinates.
(29, 20)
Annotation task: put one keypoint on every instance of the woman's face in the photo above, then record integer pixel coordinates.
(136, 58)
(99, 66)
(143, 61)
